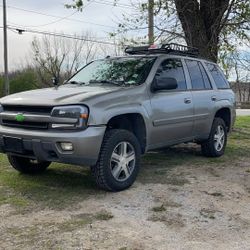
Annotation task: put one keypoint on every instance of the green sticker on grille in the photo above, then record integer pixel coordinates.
(20, 118)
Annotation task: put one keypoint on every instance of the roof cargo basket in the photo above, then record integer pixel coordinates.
(168, 48)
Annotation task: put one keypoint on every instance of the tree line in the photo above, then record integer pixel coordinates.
(55, 57)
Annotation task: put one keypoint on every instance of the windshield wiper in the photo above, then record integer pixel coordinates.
(118, 83)
(76, 82)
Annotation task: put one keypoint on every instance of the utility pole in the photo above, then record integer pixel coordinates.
(150, 21)
(5, 49)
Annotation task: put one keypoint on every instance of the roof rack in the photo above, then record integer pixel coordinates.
(168, 48)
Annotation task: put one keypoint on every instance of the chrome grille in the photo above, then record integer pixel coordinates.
(28, 109)
(10, 111)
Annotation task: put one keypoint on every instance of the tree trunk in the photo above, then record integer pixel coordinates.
(202, 24)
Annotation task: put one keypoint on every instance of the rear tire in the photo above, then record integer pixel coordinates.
(215, 145)
(27, 165)
(119, 161)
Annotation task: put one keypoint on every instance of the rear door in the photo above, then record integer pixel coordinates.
(172, 110)
(203, 97)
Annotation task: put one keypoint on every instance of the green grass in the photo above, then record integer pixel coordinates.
(30, 235)
(159, 209)
(64, 186)
(243, 122)
(83, 219)
(60, 187)
(103, 216)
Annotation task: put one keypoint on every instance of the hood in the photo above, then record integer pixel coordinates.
(66, 94)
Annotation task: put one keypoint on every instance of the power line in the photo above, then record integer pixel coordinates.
(56, 16)
(20, 31)
(46, 24)
(119, 5)
(64, 18)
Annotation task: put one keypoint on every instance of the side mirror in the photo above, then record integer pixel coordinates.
(55, 81)
(164, 83)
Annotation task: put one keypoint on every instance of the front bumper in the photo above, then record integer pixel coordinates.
(44, 145)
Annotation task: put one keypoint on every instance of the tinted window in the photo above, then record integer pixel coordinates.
(218, 76)
(205, 77)
(195, 74)
(198, 75)
(172, 68)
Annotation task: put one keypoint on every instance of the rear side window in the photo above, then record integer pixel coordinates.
(198, 75)
(206, 80)
(173, 68)
(219, 78)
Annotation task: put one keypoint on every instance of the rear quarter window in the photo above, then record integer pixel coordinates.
(219, 78)
(198, 75)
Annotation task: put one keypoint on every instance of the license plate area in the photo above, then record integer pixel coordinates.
(13, 145)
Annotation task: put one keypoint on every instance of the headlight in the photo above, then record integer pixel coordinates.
(69, 117)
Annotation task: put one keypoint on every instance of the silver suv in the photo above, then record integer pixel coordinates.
(116, 109)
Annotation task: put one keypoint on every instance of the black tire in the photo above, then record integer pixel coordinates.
(208, 147)
(27, 165)
(102, 171)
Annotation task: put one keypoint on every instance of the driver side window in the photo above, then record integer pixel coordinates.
(172, 68)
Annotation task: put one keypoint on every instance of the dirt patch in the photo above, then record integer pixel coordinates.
(170, 220)
(206, 212)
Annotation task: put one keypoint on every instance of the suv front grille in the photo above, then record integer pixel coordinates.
(34, 125)
(28, 109)
(35, 110)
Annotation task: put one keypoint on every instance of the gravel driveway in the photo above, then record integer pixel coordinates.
(205, 206)
(181, 200)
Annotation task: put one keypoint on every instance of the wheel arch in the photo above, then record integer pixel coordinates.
(225, 114)
(133, 122)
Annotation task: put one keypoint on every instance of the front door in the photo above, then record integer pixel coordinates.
(172, 110)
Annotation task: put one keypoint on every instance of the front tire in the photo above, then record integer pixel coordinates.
(215, 145)
(119, 161)
(27, 165)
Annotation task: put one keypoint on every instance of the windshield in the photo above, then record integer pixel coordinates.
(119, 71)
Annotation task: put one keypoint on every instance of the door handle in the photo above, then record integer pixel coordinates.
(187, 100)
(213, 98)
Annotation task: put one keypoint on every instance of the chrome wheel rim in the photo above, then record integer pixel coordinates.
(219, 138)
(122, 161)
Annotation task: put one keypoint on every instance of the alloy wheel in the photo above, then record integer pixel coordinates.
(219, 138)
(123, 161)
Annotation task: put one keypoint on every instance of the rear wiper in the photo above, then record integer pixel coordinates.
(119, 83)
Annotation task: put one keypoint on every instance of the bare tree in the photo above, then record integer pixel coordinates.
(61, 57)
(237, 67)
(115, 49)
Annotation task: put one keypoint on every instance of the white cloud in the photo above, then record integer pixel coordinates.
(19, 45)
